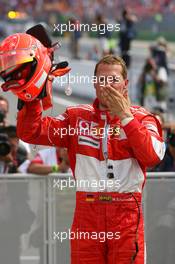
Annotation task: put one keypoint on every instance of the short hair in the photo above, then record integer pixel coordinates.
(112, 60)
(2, 98)
(9, 130)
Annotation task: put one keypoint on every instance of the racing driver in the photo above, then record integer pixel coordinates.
(114, 142)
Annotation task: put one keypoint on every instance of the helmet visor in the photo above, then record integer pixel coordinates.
(9, 60)
(17, 78)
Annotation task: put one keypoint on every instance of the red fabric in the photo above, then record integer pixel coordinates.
(110, 217)
(47, 101)
(37, 159)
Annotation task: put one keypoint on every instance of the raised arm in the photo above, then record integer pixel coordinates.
(35, 129)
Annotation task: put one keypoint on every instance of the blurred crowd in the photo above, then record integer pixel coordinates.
(85, 9)
(153, 81)
(110, 8)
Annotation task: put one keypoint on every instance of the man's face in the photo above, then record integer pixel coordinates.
(110, 75)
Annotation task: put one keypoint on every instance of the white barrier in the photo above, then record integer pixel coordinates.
(32, 208)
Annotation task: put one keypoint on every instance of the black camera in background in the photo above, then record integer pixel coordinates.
(4, 145)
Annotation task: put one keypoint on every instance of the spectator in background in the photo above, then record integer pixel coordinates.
(159, 54)
(5, 153)
(168, 163)
(147, 84)
(126, 35)
(4, 109)
(152, 84)
(75, 36)
(14, 154)
(103, 34)
(49, 160)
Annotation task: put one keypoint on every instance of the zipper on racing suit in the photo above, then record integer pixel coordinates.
(110, 174)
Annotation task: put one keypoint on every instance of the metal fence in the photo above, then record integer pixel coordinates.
(34, 209)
